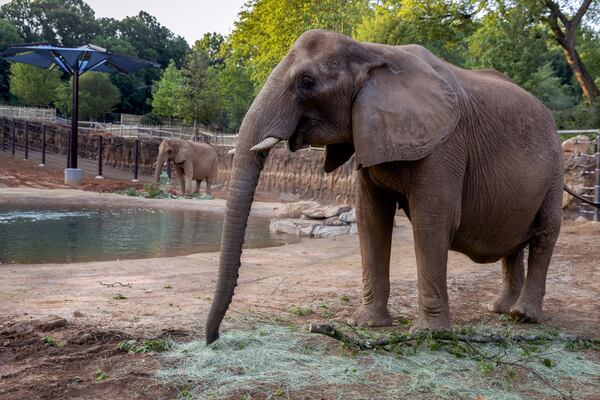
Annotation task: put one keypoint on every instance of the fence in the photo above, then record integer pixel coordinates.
(29, 113)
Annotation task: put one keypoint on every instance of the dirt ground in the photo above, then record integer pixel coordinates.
(170, 298)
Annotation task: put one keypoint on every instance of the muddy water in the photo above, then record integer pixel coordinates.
(75, 234)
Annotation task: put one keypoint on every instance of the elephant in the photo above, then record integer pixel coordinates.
(471, 158)
(192, 161)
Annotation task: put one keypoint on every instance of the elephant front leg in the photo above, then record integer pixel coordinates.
(180, 179)
(431, 235)
(189, 173)
(375, 216)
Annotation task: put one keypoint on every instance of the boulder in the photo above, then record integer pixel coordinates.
(348, 216)
(577, 167)
(323, 231)
(294, 210)
(323, 212)
(296, 226)
(333, 221)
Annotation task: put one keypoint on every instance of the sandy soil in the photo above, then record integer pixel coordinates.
(170, 297)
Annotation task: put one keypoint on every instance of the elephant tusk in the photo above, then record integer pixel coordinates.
(266, 144)
(230, 152)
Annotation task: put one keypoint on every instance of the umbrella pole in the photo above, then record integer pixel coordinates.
(74, 175)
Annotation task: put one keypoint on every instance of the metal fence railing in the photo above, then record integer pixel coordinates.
(29, 113)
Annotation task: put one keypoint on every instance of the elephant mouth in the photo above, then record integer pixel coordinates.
(298, 139)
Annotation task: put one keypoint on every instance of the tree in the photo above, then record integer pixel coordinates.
(440, 25)
(66, 22)
(196, 101)
(564, 30)
(8, 35)
(33, 86)
(267, 28)
(167, 91)
(97, 96)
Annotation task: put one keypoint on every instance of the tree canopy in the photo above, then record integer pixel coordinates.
(550, 47)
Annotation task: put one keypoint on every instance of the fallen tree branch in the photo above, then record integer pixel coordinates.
(364, 344)
(115, 284)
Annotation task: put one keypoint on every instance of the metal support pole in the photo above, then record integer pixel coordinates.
(100, 156)
(74, 119)
(137, 160)
(26, 157)
(597, 186)
(14, 136)
(4, 134)
(43, 164)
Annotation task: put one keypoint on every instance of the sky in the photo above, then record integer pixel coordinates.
(188, 18)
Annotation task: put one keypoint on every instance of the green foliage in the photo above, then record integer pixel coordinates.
(266, 29)
(143, 346)
(101, 375)
(50, 341)
(440, 25)
(166, 92)
(33, 86)
(151, 118)
(119, 296)
(8, 35)
(97, 96)
(152, 191)
(300, 311)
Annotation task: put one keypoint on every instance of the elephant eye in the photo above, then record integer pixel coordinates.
(307, 83)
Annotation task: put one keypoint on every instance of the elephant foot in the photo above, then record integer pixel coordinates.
(527, 311)
(503, 303)
(371, 316)
(439, 323)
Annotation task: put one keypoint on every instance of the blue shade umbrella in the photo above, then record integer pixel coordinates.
(74, 61)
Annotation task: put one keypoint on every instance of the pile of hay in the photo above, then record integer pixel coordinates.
(276, 362)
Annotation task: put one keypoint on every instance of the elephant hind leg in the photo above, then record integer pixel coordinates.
(541, 245)
(513, 272)
(197, 187)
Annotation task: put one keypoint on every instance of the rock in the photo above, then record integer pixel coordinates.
(294, 210)
(576, 146)
(78, 314)
(353, 229)
(322, 231)
(296, 226)
(348, 216)
(50, 323)
(323, 212)
(333, 221)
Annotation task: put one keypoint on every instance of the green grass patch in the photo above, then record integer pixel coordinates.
(50, 341)
(119, 296)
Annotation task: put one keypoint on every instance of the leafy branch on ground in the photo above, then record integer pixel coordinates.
(464, 343)
(143, 346)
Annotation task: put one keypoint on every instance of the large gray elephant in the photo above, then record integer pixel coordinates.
(472, 159)
(193, 161)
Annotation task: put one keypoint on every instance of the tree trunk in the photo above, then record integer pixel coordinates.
(585, 80)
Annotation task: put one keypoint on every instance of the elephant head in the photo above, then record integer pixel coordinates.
(382, 102)
(169, 150)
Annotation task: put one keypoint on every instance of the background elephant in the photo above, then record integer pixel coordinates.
(192, 161)
(472, 159)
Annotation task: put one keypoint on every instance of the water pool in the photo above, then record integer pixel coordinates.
(76, 234)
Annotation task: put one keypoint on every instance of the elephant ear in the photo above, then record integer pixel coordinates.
(178, 155)
(403, 110)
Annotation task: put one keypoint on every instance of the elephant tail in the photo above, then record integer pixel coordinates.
(580, 198)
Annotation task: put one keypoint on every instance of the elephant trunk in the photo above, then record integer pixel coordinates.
(261, 121)
(160, 163)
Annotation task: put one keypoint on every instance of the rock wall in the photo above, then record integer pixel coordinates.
(286, 176)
